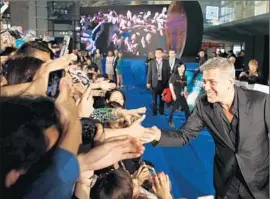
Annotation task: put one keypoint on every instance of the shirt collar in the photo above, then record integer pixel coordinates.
(235, 103)
(159, 60)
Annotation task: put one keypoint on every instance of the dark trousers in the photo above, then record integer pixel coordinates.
(237, 190)
(180, 101)
(157, 91)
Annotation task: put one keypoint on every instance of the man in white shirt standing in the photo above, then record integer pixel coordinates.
(172, 60)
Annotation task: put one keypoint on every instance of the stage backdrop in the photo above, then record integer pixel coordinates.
(136, 30)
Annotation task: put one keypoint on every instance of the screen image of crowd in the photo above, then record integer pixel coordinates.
(134, 32)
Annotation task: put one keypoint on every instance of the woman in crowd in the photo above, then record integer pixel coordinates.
(252, 76)
(178, 87)
(119, 70)
(92, 69)
(116, 95)
(98, 60)
(109, 65)
(81, 57)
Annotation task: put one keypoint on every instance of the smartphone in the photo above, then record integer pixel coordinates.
(54, 82)
(79, 76)
(65, 45)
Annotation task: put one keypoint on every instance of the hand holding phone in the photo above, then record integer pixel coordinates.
(54, 82)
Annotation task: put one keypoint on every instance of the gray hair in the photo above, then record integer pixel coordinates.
(226, 66)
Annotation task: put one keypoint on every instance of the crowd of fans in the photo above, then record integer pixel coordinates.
(83, 143)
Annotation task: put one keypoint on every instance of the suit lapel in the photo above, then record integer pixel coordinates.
(245, 113)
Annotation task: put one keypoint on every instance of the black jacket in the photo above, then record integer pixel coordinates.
(253, 145)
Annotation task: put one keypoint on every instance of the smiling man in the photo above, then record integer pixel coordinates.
(239, 122)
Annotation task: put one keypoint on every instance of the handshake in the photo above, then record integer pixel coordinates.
(143, 134)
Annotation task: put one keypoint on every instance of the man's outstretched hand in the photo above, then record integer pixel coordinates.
(152, 134)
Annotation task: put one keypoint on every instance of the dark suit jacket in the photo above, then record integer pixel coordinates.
(152, 76)
(253, 146)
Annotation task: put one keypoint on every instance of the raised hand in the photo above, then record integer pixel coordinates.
(161, 186)
(85, 104)
(110, 152)
(142, 174)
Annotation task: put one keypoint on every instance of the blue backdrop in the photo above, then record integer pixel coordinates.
(190, 167)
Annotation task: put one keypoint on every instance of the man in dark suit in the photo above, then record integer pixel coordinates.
(157, 79)
(173, 61)
(239, 122)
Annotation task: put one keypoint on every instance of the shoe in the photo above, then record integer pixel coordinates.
(154, 114)
(171, 124)
(161, 113)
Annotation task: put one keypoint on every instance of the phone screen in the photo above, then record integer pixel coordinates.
(54, 82)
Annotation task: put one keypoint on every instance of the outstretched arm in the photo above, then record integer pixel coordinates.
(179, 137)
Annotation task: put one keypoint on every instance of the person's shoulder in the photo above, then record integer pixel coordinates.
(65, 159)
(152, 62)
(253, 94)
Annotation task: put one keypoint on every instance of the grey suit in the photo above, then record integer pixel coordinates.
(250, 153)
(152, 76)
(158, 86)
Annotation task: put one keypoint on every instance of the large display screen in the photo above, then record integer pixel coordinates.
(133, 30)
(136, 30)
